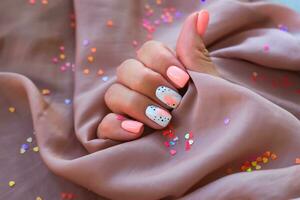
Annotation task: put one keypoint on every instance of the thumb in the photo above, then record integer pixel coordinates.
(190, 48)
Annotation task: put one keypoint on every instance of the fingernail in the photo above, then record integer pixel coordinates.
(168, 96)
(178, 76)
(158, 115)
(202, 22)
(132, 126)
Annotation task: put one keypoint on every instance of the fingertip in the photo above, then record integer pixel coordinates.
(202, 22)
(132, 126)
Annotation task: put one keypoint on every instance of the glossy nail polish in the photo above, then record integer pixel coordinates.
(158, 115)
(177, 76)
(168, 96)
(202, 22)
(132, 126)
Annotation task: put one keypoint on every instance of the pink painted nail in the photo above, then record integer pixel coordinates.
(178, 76)
(132, 126)
(202, 22)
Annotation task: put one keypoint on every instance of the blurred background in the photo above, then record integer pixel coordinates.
(294, 4)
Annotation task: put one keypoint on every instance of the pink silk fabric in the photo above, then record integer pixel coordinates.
(258, 94)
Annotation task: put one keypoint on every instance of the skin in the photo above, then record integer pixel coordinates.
(138, 79)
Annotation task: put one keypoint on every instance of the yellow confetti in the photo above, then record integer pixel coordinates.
(91, 59)
(265, 160)
(12, 109)
(258, 167)
(62, 56)
(45, 91)
(38, 198)
(11, 183)
(36, 149)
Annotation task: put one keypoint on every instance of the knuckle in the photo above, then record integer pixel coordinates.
(110, 92)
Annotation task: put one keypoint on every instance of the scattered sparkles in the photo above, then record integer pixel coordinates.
(12, 109)
(67, 101)
(104, 78)
(11, 183)
(256, 163)
(226, 121)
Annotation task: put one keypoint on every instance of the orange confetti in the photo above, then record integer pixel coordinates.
(86, 71)
(90, 59)
(93, 50)
(109, 23)
(297, 161)
(45, 91)
(100, 72)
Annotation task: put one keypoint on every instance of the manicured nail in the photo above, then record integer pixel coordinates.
(168, 96)
(202, 22)
(158, 115)
(178, 76)
(132, 126)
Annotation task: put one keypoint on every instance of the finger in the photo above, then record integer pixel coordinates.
(123, 100)
(190, 48)
(117, 127)
(160, 59)
(134, 75)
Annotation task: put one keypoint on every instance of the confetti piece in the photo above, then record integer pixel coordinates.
(100, 72)
(173, 152)
(91, 59)
(62, 56)
(38, 198)
(25, 146)
(86, 71)
(86, 42)
(249, 169)
(22, 151)
(187, 136)
(297, 161)
(167, 144)
(55, 60)
(257, 167)
(67, 101)
(175, 139)
(134, 43)
(266, 48)
(226, 121)
(93, 50)
(191, 142)
(120, 117)
(62, 48)
(36, 149)
(12, 109)
(45, 91)
(273, 156)
(104, 78)
(32, 2)
(45, 2)
(29, 140)
(11, 183)
(172, 143)
(265, 160)
(109, 23)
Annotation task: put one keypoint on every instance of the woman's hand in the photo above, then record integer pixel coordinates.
(147, 87)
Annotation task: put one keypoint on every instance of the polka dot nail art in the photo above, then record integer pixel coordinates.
(168, 96)
(158, 115)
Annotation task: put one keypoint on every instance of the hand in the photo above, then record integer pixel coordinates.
(147, 87)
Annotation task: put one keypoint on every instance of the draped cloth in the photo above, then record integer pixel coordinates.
(253, 107)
